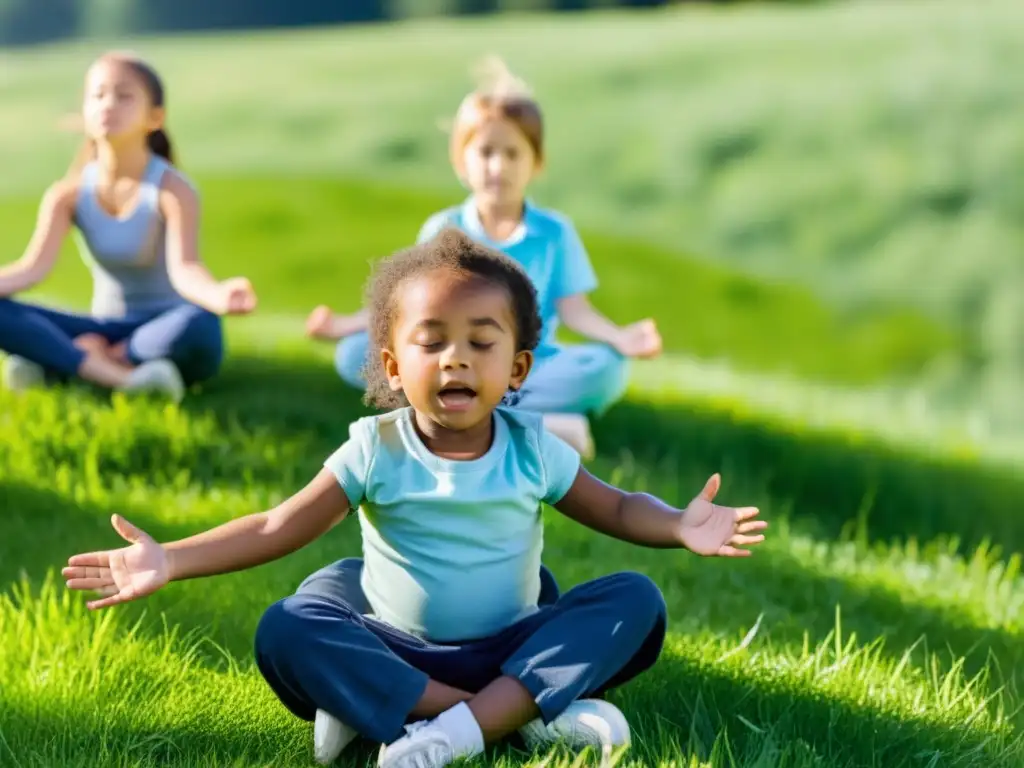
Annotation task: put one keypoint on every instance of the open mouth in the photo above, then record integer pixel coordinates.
(457, 396)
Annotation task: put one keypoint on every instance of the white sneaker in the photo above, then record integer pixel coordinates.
(20, 374)
(425, 745)
(584, 723)
(574, 429)
(330, 737)
(156, 376)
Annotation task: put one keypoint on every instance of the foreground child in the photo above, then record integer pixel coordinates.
(444, 628)
(154, 323)
(497, 150)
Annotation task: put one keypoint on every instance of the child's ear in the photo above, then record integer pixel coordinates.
(521, 368)
(390, 363)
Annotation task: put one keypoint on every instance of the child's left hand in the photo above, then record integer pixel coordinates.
(706, 528)
(237, 297)
(640, 339)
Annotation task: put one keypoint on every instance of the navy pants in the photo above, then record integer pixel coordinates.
(318, 649)
(188, 336)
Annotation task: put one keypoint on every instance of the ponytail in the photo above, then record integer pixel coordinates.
(159, 144)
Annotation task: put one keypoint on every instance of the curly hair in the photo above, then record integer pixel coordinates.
(448, 249)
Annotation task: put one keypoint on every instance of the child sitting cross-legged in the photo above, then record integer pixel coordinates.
(449, 634)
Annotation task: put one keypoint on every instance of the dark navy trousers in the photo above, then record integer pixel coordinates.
(318, 649)
(187, 335)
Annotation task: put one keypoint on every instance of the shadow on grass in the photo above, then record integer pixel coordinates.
(835, 483)
(284, 395)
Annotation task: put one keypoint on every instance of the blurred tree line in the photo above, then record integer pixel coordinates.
(24, 22)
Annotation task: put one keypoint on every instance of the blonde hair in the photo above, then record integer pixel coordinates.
(499, 95)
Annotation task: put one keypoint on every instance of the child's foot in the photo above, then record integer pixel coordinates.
(584, 723)
(574, 428)
(435, 743)
(20, 374)
(330, 737)
(160, 376)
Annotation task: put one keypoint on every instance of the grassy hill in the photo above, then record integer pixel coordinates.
(882, 622)
(868, 151)
(882, 619)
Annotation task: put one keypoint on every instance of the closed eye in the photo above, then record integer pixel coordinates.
(482, 345)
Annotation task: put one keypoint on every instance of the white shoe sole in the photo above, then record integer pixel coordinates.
(330, 737)
(20, 375)
(585, 723)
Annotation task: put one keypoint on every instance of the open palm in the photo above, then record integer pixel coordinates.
(707, 528)
(120, 575)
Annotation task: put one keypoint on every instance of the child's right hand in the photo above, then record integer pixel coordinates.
(322, 323)
(640, 340)
(120, 575)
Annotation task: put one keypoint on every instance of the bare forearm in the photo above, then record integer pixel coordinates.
(346, 325)
(195, 283)
(647, 521)
(18, 277)
(234, 546)
(589, 322)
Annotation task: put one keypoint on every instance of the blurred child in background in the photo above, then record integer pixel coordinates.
(154, 323)
(497, 149)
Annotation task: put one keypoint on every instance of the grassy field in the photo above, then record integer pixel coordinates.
(887, 630)
(882, 623)
(867, 151)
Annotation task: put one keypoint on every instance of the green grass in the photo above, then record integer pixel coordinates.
(869, 151)
(882, 623)
(290, 235)
(878, 640)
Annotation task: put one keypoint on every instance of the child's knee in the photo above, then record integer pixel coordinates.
(637, 596)
(284, 624)
(201, 347)
(274, 629)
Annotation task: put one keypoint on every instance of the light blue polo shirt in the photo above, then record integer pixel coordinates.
(546, 245)
(452, 549)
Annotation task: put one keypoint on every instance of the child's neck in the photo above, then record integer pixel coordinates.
(119, 163)
(500, 220)
(455, 445)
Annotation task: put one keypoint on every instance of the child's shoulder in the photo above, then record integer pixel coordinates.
(446, 217)
(378, 423)
(549, 221)
(517, 420)
(527, 429)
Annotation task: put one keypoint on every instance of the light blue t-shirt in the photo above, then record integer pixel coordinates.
(546, 245)
(452, 549)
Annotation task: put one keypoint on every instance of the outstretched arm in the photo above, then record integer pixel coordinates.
(52, 225)
(703, 527)
(190, 277)
(140, 569)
